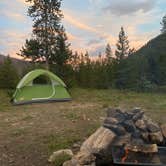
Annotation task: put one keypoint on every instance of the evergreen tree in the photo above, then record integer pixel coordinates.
(100, 60)
(8, 74)
(62, 53)
(163, 23)
(122, 45)
(31, 50)
(131, 51)
(87, 59)
(108, 53)
(75, 60)
(46, 15)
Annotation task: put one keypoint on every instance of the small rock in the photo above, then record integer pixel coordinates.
(76, 145)
(116, 113)
(120, 117)
(163, 129)
(156, 138)
(130, 115)
(120, 111)
(72, 162)
(136, 110)
(138, 115)
(146, 148)
(145, 136)
(117, 129)
(137, 141)
(56, 154)
(85, 158)
(145, 118)
(110, 120)
(136, 134)
(153, 127)
(129, 126)
(121, 140)
(140, 124)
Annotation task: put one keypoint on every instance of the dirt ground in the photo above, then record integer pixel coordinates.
(26, 133)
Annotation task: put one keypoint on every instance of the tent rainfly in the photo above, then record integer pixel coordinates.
(27, 91)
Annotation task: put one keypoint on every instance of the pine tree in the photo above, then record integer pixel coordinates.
(87, 59)
(8, 74)
(100, 57)
(31, 50)
(122, 46)
(46, 16)
(75, 60)
(108, 53)
(131, 51)
(163, 23)
(61, 53)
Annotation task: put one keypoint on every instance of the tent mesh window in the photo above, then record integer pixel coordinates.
(42, 80)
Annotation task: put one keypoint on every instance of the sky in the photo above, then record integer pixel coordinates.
(89, 24)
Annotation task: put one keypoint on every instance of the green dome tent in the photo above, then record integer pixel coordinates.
(53, 89)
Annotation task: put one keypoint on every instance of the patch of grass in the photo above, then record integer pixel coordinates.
(121, 98)
(18, 132)
(61, 159)
(72, 116)
(57, 142)
(91, 129)
(5, 101)
(28, 117)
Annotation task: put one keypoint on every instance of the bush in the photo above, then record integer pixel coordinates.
(66, 73)
(145, 85)
(8, 75)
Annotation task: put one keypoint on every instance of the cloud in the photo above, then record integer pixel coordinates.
(96, 49)
(15, 11)
(78, 24)
(97, 32)
(71, 37)
(11, 41)
(93, 41)
(23, 2)
(126, 7)
(12, 15)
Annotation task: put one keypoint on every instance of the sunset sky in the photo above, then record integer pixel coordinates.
(90, 24)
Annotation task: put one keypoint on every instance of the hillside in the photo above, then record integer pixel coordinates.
(19, 64)
(146, 68)
(154, 60)
(154, 47)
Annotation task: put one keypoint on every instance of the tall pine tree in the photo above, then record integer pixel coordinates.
(163, 23)
(31, 50)
(46, 16)
(108, 53)
(122, 46)
(61, 53)
(8, 74)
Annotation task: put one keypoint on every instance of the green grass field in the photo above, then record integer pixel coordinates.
(30, 133)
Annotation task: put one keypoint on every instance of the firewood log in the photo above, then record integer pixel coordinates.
(144, 148)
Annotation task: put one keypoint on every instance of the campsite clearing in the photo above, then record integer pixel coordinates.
(30, 133)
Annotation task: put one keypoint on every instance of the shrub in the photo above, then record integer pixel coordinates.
(8, 75)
